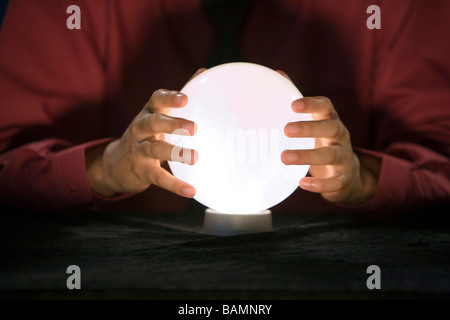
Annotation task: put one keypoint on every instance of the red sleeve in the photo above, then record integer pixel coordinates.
(42, 162)
(47, 175)
(411, 100)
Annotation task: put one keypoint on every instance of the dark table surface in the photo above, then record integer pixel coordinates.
(165, 256)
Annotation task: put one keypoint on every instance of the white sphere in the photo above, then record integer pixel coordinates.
(240, 110)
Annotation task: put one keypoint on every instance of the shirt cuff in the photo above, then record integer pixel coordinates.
(389, 198)
(72, 181)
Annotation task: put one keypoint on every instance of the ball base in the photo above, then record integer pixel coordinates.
(226, 224)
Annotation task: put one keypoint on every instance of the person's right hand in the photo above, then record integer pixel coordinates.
(132, 163)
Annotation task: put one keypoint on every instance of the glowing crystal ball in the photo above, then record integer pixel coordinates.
(240, 110)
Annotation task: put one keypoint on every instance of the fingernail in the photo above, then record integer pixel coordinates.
(292, 129)
(189, 126)
(178, 98)
(305, 184)
(298, 105)
(194, 156)
(188, 192)
(291, 156)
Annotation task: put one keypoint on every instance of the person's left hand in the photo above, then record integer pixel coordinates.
(336, 171)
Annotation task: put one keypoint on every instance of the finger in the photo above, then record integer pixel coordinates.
(162, 99)
(319, 107)
(323, 185)
(153, 123)
(330, 155)
(329, 128)
(284, 74)
(164, 151)
(162, 178)
(197, 73)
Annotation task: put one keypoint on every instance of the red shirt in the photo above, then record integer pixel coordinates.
(63, 90)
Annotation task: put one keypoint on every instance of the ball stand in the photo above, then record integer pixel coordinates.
(226, 224)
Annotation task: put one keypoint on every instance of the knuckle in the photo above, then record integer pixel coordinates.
(335, 129)
(148, 106)
(326, 100)
(154, 95)
(306, 156)
(133, 151)
(156, 149)
(319, 98)
(175, 124)
(330, 111)
(148, 149)
(136, 170)
(158, 180)
(333, 155)
(328, 105)
(340, 183)
(159, 92)
(340, 131)
(346, 134)
(302, 156)
(305, 129)
(323, 99)
(153, 120)
(134, 129)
